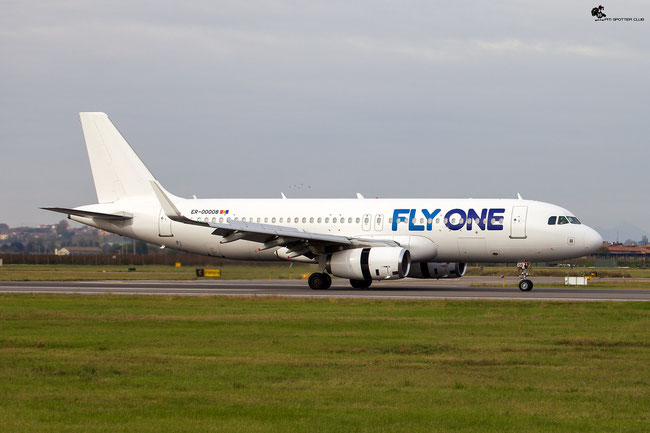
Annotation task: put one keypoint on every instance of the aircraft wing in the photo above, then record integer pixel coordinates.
(260, 232)
(269, 235)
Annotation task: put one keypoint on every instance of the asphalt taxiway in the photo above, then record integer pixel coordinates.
(403, 289)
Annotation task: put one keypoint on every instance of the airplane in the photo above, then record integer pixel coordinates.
(363, 240)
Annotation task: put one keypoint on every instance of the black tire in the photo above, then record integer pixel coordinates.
(525, 285)
(360, 284)
(318, 281)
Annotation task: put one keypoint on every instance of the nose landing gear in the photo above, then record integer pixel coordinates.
(525, 285)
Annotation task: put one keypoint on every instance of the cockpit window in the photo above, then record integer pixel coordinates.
(562, 220)
(551, 220)
(573, 220)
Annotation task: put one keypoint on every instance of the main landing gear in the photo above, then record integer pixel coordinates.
(525, 285)
(360, 284)
(322, 281)
(319, 281)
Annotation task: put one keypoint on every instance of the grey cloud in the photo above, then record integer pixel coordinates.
(388, 98)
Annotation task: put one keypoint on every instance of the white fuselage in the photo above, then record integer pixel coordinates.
(500, 230)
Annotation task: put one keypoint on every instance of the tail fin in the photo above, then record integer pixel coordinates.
(117, 171)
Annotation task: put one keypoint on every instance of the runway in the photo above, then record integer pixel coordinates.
(402, 289)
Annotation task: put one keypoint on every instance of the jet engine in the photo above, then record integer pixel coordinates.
(437, 270)
(381, 263)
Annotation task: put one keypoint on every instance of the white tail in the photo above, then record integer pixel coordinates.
(117, 171)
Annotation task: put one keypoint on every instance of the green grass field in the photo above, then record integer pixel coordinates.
(149, 272)
(559, 272)
(212, 364)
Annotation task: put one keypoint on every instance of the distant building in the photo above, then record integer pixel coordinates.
(627, 251)
(67, 251)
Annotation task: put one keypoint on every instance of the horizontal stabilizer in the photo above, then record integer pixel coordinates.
(120, 216)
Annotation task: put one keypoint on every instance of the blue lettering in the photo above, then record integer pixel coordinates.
(472, 215)
(493, 215)
(430, 216)
(412, 226)
(490, 219)
(461, 220)
(396, 217)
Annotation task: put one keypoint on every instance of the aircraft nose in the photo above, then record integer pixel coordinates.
(593, 240)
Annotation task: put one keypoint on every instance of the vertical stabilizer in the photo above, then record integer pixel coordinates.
(117, 171)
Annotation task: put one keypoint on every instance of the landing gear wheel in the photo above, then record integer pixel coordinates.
(525, 285)
(328, 281)
(360, 284)
(319, 281)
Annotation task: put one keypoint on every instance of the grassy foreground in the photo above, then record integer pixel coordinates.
(152, 364)
(149, 272)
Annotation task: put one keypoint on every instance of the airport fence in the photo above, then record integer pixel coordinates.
(186, 259)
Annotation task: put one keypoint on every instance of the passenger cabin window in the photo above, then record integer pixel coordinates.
(551, 220)
(562, 220)
(573, 220)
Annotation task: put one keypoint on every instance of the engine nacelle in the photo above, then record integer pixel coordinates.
(382, 263)
(437, 270)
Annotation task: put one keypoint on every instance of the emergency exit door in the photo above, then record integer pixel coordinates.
(164, 225)
(518, 222)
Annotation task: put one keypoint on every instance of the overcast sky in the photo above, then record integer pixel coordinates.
(324, 99)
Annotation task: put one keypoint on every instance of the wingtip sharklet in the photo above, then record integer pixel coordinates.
(168, 206)
(170, 209)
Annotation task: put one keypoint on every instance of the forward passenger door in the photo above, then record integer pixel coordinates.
(518, 222)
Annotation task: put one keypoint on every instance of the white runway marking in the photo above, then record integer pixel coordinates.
(298, 288)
